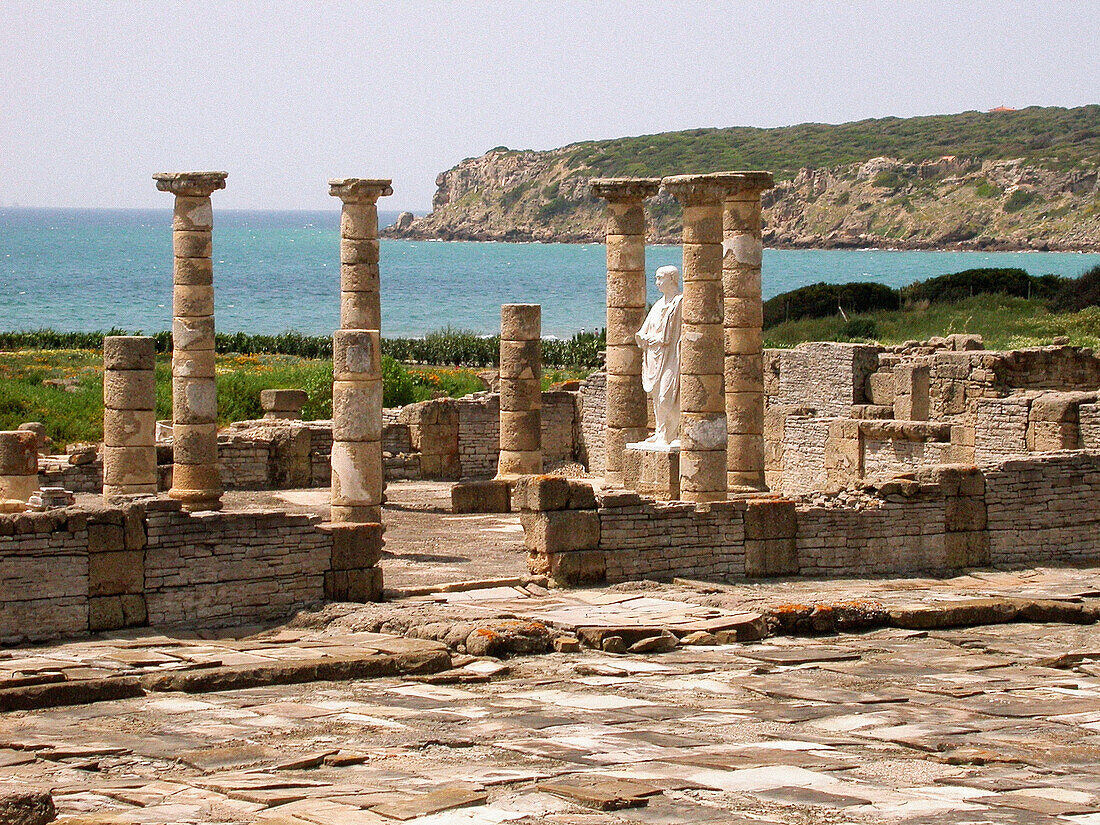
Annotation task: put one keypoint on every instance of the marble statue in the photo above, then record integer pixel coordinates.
(659, 340)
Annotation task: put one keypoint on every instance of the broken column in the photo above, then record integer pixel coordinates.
(520, 390)
(129, 417)
(702, 395)
(356, 495)
(18, 465)
(195, 478)
(360, 304)
(743, 328)
(626, 310)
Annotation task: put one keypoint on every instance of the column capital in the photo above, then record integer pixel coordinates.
(360, 190)
(190, 184)
(619, 190)
(695, 190)
(744, 183)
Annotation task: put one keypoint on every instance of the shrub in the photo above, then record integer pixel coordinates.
(888, 179)
(985, 189)
(859, 329)
(1020, 199)
(822, 300)
(1076, 294)
(983, 281)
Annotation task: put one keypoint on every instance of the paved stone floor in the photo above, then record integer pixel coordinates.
(960, 726)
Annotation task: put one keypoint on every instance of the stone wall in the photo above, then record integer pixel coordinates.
(71, 571)
(593, 419)
(1044, 510)
(56, 471)
(825, 376)
(941, 518)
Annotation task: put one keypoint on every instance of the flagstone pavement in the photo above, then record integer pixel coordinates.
(956, 726)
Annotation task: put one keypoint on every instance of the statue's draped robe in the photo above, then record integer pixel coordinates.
(659, 340)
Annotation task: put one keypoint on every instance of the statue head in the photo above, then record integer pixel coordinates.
(668, 280)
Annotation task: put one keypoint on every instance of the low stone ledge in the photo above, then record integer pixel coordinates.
(492, 496)
(422, 657)
(60, 694)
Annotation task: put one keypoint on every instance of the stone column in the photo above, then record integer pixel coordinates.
(356, 495)
(129, 417)
(520, 390)
(195, 478)
(743, 322)
(18, 465)
(627, 406)
(702, 400)
(360, 307)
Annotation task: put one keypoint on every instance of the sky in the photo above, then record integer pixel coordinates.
(97, 96)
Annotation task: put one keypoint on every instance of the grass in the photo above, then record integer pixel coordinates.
(1004, 322)
(64, 388)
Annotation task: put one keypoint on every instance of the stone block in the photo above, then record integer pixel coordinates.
(356, 355)
(129, 352)
(701, 349)
(582, 495)
(702, 302)
(743, 313)
(705, 257)
(521, 394)
(624, 360)
(557, 531)
(520, 322)
(360, 586)
(355, 546)
(520, 359)
(360, 310)
(625, 253)
(18, 453)
(880, 388)
(573, 568)
(359, 221)
(112, 574)
(626, 289)
(520, 431)
(129, 389)
(284, 400)
(105, 613)
(357, 410)
(360, 278)
(134, 610)
(652, 473)
(543, 493)
(106, 538)
(194, 363)
(513, 463)
(771, 557)
(965, 514)
(358, 251)
(966, 549)
(123, 466)
(357, 473)
(625, 218)
(622, 324)
(742, 340)
(194, 401)
(130, 428)
(493, 496)
(770, 518)
(192, 300)
(186, 271)
(194, 243)
(699, 392)
(344, 514)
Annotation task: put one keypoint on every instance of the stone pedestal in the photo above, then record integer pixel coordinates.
(129, 417)
(743, 323)
(283, 405)
(626, 309)
(195, 477)
(356, 495)
(360, 306)
(18, 465)
(702, 398)
(520, 391)
(652, 471)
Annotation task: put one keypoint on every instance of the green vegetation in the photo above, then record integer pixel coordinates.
(843, 300)
(1005, 322)
(985, 189)
(448, 347)
(1021, 199)
(1052, 137)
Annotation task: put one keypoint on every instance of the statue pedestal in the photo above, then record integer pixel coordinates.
(652, 470)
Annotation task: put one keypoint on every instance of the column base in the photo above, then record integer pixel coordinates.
(652, 471)
(355, 514)
(194, 501)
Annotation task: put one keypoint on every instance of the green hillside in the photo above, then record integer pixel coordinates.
(1051, 137)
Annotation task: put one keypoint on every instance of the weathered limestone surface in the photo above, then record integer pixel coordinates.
(360, 305)
(520, 390)
(703, 425)
(195, 478)
(129, 417)
(18, 464)
(743, 321)
(626, 307)
(357, 427)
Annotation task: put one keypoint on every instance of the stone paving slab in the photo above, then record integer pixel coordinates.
(769, 732)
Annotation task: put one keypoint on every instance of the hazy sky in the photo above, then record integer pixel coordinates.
(97, 96)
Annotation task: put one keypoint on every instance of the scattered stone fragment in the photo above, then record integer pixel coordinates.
(601, 793)
(26, 807)
(613, 644)
(699, 637)
(432, 802)
(567, 644)
(663, 643)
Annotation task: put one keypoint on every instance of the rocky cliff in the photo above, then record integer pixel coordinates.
(953, 201)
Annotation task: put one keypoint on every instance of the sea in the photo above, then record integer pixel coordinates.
(97, 269)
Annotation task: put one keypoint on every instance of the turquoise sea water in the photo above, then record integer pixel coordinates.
(72, 269)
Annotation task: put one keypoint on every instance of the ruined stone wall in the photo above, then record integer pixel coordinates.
(1044, 509)
(43, 575)
(828, 377)
(886, 458)
(802, 455)
(479, 432)
(75, 570)
(1000, 428)
(231, 568)
(76, 478)
(593, 419)
(1038, 510)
